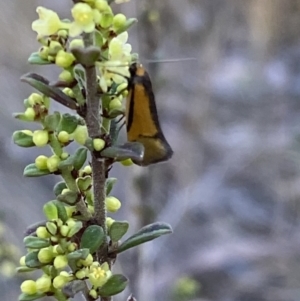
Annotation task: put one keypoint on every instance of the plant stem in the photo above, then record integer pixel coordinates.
(93, 122)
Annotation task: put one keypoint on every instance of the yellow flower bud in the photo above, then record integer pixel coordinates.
(60, 261)
(63, 137)
(44, 52)
(76, 43)
(109, 222)
(115, 104)
(93, 294)
(43, 284)
(52, 163)
(35, 98)
(69, 92)
(64, 59)
(98, 144)
(72, 247)
(112, 204)
(54, 48)
(88, 261)
(40, 138)
(80, 134)
(41, 162)
(28, 287)
(119, 21)
(64, 229)
(102, 5)
(60, 281)
(80, 274)
(22, 261)
(66, 76)
(64, 155)
(106, 20)
(87, 170)
(127, 162)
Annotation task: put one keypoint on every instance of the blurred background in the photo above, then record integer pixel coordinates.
(232, 115)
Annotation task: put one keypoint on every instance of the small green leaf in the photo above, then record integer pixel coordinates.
(35, 59)
(52, 121)
(59, 187)
(86, 56)
(129, 22)
(22, 139)
(24, 269)
(68, 123)
(67, 163)
(109, 184)
(75, 229)
(42, 84)
(99, 41)
(32, 261)
(84, 184)
(32, 171)
(69, 197)
(129, 150)
(34, 242)
(80, 157)
(73, 287)
(79, 76)
(78, 254)
(117, 230)
(26, 297)
(114, 285)
(61, 210)
(92, 238)
(22, 116)
(145, 234)
(50, 210)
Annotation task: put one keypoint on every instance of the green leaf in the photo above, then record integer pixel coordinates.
(67, 163)
(114, 285)
(145, 234)
(117, 230)
(78, 254)
(109, 185)
(129, 22)
(35, 59)
(69, 197)
(75, 229)
(84, 184)
(22, 139)
(80, 157)
(79, 75)
(52, 121)
(61, 210)
(34, 242)
(50, 211)
(42, 84)
(59, 187)
(32, 261)
(92, 238)
(32, 171)
(26, 297)
(73, 287)
(129, 150)
(86, 56)
(24, 269)
(68, 123)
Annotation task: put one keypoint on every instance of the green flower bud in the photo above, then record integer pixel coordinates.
(60, 261)
(80, 274)
(41, 162)
(29, 114)
(98, 144)
(52, 163)
(54, 48)
(42, 232)
(80, 135)
(64, 229)
(102, 6)
(127, 162)
(66, 76)
(87, 170)
(115, 104)
(28, 287)
(106, 20)
(45, 255)
(22, 261)
(43, 284)
(112, 204)
(63, 33)
(44, 52)
(64, 59)
(72, 247)
(88, 261)
(64, 155)
(35, 98)
(60, 281)
(76, 43)
(63, 137)
(40, 138)
(93, 294)
(69, 92)
(119, 21)
(109, 222)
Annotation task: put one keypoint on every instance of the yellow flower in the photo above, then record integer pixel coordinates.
(48, 22)
(116, 69)
(84, 19)
(99, 274)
